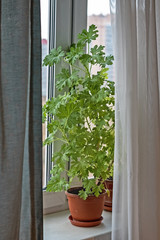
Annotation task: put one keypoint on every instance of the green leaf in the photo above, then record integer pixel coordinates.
(98, 55)
(65, 79)
(83, 194)
(85, 59)
(54, 56)
(57, 184)
(109, 60)
(98, 190)
(88, 36)
(66, 109)
(74, 53)
(49, 139)
(44, 114)
(103, 73)
(108, 192)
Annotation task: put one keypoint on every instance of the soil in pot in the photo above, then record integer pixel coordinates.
(108, 199)
(83, 211)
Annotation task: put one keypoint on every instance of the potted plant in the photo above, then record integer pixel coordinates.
(81, 117)
(108, 183)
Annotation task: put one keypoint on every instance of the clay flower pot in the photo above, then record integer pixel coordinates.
(85, 213)
(108, 199)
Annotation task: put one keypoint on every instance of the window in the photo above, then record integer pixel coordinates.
(61, 21)
(66, 19)
(99, 14)
(44, 42)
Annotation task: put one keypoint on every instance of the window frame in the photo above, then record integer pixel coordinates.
(66, 19)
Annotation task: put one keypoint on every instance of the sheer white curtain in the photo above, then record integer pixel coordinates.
(136, 200)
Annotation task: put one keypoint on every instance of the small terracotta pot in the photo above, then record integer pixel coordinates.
(108, 200)
(85, 210)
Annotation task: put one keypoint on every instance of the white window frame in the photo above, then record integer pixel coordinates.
(66, 19)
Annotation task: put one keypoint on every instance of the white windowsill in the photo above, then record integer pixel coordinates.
(57, 226)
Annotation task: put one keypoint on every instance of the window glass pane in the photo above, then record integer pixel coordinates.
(44, 41)
(99, 15)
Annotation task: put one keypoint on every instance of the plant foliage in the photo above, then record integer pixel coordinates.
(81, 116)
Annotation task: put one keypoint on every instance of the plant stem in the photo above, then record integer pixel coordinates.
(110, 165)
(81, 69)
(70, 66)
(87, 71)
(88, 48)
(60, 139)
(90, 68)
(64, 135)
(88, 124)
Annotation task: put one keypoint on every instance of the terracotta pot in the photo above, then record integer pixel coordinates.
(108, 199)
(85, 210)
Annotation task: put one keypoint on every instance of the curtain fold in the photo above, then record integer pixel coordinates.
(136, 193)
(20, 121)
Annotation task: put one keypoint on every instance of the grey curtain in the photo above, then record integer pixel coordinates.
(20, 121)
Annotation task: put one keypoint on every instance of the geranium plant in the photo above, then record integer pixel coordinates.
(81, 116)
